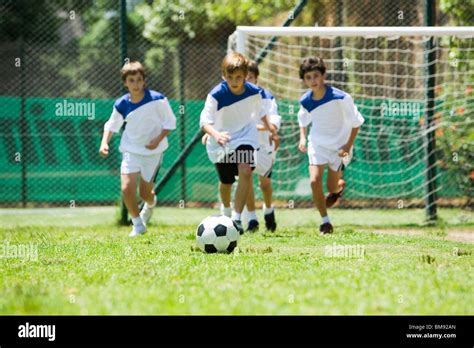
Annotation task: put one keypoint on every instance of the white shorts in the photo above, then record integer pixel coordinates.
(147, 166)
(264, 160)
(320, 155)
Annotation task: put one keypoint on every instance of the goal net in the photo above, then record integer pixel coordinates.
(412, 85)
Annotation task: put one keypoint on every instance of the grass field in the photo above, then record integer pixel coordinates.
(86, 264)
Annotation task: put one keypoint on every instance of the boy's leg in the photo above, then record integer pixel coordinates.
(267, 190)
(225, 191)
(226, 173)
(245, 180)
(268, 209)
(129, 192)
(335, 185)
(253, 220)
(149, 168)
(146, 192)
(148, 196)
(250, 203)
(316, 178)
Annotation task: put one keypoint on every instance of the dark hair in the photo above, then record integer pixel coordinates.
(253, 68)
(312, 64)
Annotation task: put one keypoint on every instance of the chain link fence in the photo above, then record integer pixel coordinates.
(61, 63)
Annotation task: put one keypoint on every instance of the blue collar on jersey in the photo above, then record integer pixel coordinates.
(125, 106)
(225, 97)
(331, 94)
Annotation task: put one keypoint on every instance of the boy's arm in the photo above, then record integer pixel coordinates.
(206, 121)
(221, 137)
(356, 120)
(112, 126)
(344, 150)
(304, 119)
(273, 130)
(169, 123)
(153, 144)
(302, 143)
(104, 145)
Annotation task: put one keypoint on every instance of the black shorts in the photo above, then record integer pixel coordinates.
(228, 168)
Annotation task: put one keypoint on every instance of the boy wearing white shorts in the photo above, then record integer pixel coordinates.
(335, 122)
(147, 119)
(266, 155)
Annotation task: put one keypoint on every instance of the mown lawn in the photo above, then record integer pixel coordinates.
(86, 264)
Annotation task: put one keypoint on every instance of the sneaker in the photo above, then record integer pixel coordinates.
(270, 222)
(238, 226)
(137, 230)
(145, 214)
(332, 198)
(253, 226)
(325, 228)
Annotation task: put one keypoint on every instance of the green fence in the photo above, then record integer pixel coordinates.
(56, 160)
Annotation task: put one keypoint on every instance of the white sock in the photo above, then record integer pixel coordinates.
(226, 211)
(235, 215)
(152, 205)
(252, 215)
(137, 221)
(266, 210)
(326, 219)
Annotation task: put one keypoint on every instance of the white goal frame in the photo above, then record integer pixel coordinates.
(242, 31)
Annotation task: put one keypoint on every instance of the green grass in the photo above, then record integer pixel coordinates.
(87, 265)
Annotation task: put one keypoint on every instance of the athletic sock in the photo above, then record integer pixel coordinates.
(252, 215)
(137, 221)
(235, 215)
(266, 210)
(326, 219)
(226, 211)
(152, 205)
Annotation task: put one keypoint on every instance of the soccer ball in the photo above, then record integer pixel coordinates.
(217, 233)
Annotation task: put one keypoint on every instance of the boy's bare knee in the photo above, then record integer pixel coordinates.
(316, 182)
(245, 170)
(265, 184)
(126, 186)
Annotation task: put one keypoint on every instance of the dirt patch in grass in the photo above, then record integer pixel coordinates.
(466, 236)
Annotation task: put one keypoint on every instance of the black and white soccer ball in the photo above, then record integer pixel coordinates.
(217, 233)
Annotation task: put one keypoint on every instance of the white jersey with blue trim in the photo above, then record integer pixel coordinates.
(236, 114)
(331, 117)
(271, 110)
(144, 120)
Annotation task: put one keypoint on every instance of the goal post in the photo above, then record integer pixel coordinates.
(413, 86)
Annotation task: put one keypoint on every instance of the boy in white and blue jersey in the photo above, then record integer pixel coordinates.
(266, 155)
(148, 119)
(230, 115)
(335, 122)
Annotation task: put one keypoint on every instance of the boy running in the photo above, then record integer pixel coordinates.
(148, 118)
(335, 123)
(230, 114)
(266, 157)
